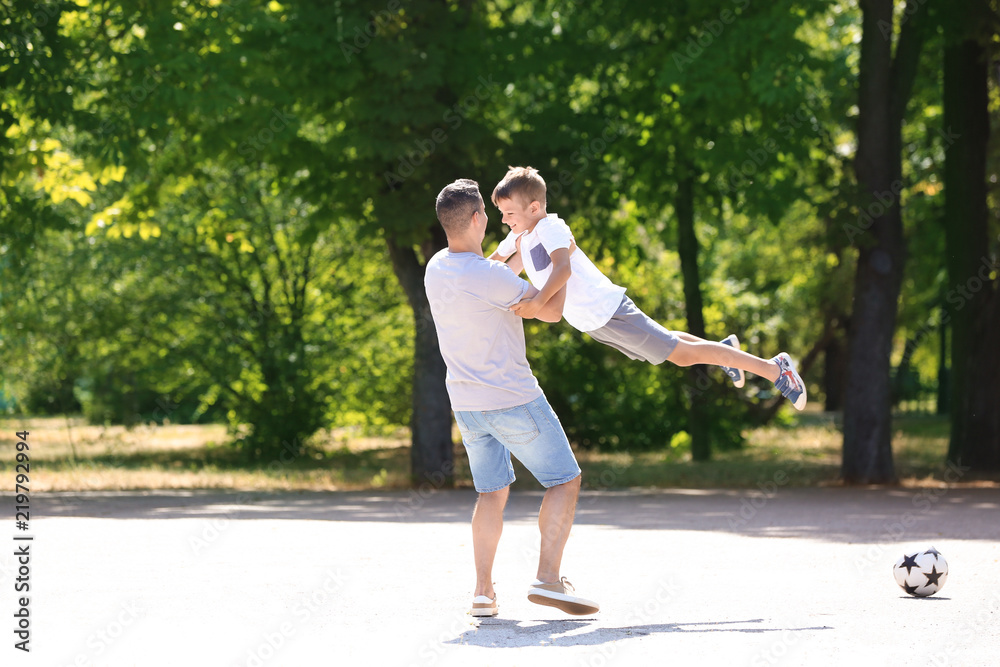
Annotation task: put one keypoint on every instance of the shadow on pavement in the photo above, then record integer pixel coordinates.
(504, 633)
(824, 513)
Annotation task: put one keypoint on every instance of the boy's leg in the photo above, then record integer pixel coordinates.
(780, 370)
(690, 352)
(735, 373)
(637, 336)
(487, 525)
(555, 519)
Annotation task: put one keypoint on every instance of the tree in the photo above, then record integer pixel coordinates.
(213, 300)
(274, 317)
(884, 87)
(700, 130)
(361, 114)
(406, 85)
(38, 74)
(973, 272)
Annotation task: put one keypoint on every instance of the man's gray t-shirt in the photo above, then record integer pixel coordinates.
(482, 342)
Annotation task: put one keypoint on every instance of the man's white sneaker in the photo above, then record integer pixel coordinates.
(561, 595)
(484, 606)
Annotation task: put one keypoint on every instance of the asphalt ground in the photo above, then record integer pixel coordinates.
(773, 576)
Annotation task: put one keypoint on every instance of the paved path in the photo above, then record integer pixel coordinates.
(769, 577)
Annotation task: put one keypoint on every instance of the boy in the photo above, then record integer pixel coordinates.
(498, 405)
(542, 244)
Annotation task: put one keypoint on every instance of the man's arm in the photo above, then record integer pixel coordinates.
(561, 272)
(551, 311)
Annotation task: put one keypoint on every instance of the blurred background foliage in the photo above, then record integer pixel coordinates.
(210, 210)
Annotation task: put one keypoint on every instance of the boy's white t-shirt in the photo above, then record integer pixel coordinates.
(591, 298)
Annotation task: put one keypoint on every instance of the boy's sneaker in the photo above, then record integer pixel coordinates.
(561, 595)
(736, 374)
(789, 383)
(484, 606)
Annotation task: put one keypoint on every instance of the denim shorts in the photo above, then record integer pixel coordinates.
(531, 432)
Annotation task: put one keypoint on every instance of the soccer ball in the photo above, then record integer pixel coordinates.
(921, 573)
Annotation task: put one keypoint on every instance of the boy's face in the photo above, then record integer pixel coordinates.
(520, 218)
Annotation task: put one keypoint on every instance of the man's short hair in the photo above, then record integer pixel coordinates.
(521, 183)
(456, 203)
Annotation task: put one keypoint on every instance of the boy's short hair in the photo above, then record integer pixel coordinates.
(522, 183)
(456, 203)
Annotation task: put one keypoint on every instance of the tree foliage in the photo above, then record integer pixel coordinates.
(226, 207)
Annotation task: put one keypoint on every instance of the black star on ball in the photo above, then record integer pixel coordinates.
(933, 551)
(933, 576)
(909, 562)
(912, 590)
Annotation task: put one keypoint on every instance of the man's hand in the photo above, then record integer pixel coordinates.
(547, 311)
(527, 308)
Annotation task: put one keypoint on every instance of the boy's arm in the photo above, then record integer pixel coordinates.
(561, 272)
(552, 310)
(513, 261)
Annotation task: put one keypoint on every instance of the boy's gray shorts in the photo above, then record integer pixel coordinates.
(633, 333)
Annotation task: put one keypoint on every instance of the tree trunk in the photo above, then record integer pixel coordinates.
(432, 449)
(687, 248)
(903, 388)
(884, 88)
(943, 388)
(836, 323)
(834, 358)
(972, 272)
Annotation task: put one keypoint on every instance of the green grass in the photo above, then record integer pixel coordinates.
(67, 455)
(807, 453)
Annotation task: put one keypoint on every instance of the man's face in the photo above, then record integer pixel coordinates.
(515, 216)
(482, 211)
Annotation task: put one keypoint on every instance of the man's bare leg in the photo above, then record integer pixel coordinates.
(487, 524)
(555, 519)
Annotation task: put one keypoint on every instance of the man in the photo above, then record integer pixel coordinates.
(498, 405)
